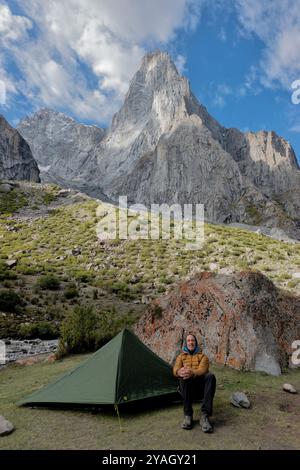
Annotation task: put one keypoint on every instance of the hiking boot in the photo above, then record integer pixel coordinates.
(205, 425)
(187, 422)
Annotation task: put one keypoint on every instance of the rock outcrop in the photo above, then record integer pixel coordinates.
(241, 320)
(16, 160)
(61, 147)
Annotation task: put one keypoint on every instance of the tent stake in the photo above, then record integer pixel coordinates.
(119, 418)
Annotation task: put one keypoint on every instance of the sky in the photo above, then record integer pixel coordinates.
(242, 57)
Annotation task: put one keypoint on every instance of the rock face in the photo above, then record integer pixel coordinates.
(240, 319)
(61, 147)
(16, 160)
(164, 147)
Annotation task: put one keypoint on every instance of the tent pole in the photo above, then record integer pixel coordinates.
(119, 418)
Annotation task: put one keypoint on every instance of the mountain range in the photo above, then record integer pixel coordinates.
(164, 147)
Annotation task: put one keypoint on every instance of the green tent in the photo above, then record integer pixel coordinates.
(124, 370)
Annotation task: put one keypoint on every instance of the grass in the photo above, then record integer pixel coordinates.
(271, 423)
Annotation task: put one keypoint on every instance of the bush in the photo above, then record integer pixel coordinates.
(95, 294)
(42, 330)
(5, 273)
(84, 276)
(71, 291)
(122, 290)
(83, 330)
(110, 324)
(9, 300)
(48, 198)
(49, 282)
(79, 331)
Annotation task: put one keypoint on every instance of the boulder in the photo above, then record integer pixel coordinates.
(240, 400)
(240, 319)
(11, 263)
(5, 427)
(6, 187)
(289, 388)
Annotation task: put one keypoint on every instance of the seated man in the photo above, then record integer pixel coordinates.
(191, 368)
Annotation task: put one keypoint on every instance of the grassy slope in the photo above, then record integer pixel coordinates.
(120, 273)
(271, 423)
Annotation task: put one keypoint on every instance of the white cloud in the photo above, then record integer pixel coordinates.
(221, 92)
(277, 24)
(295, 128)
(12, 27)
(108, 36)
(180, 62)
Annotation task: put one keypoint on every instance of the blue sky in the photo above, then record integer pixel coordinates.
(78, 56)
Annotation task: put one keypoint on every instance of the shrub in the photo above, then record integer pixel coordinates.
(9, 300)
(71, 291)
(49, 281)
(42, 330)
(84, 276)
(5, 273)
(83, 330)
(95, 294)
(78, 331)
(110, 324)
(27, 270)
(48, 198)
(122, 290)
(293, 283)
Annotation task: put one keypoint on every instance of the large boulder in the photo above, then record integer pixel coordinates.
(241, 320)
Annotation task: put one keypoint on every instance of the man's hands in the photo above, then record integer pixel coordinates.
(185, 373)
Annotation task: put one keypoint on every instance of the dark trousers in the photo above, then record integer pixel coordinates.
(198, 388)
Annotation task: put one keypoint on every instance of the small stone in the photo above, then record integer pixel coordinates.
(213, 266)
(5, 427)
(240, 400)
(11, 263)
(289, 388)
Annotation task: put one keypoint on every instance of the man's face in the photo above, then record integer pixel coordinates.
(190, 342)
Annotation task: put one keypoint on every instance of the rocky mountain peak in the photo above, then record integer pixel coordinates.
(61, 145)
(156, 92)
